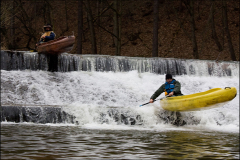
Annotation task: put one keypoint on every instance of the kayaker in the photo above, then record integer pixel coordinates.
(171, 88)
(47, 35)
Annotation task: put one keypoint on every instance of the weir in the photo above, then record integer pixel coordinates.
(35, 114)
(43, 114)
(21, 60)
(62, 86)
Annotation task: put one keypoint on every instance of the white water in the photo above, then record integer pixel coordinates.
(87, 94)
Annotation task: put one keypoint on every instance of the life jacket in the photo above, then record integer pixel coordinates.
(47, 34)
(169, 87)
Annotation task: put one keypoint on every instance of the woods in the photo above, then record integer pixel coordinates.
(191, 29)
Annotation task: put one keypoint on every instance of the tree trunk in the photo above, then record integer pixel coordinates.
(194, 41)
(48, 12)
(80, 27)
(225, 23)
(90, 21)
(214, 34)
(119, 27)
(13, 43)
(155, 28)
(66, 14)
(99, 7)
(116, 28)
(35, 17)
(26, 20)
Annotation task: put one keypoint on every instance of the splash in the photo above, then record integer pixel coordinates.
(101, 99)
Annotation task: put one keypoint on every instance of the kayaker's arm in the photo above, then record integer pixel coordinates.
(158, 92)
(177, 88)
(171, 94)
(51, 37)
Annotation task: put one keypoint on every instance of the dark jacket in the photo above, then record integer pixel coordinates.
(48, 38)
(176, 91)
(51, 37)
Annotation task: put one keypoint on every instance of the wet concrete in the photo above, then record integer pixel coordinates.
(35, 114)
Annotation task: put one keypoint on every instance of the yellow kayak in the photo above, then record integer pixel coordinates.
(215, 97)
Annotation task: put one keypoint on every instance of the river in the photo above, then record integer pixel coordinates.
(95, 97)
(32, 141)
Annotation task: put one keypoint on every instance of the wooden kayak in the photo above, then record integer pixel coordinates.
(57, 46)
(215, 97)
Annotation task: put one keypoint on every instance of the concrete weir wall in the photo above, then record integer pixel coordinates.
(22, 60)
(35, 114)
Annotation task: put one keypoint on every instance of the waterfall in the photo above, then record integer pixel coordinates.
(19, 60)
(101, 89)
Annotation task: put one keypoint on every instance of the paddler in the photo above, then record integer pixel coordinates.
(47, 35)
(171, 88)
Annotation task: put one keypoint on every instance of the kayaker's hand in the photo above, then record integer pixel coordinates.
(151, 101)
(170, 94)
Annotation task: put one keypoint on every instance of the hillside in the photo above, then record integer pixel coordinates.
(136, 28)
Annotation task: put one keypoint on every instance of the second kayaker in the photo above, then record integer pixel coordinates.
(48, 34)
(171, 88)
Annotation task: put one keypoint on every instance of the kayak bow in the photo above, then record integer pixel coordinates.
(215, 97)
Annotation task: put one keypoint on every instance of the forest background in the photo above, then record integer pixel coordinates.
(186, 29)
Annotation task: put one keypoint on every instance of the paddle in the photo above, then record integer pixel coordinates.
(154, 100)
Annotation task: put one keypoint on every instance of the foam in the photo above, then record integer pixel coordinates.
(87, 94)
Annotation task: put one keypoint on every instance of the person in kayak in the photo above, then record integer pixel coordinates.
(171, 88)
(47, 35)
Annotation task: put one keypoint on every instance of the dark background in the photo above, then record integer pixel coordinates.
(189, 29)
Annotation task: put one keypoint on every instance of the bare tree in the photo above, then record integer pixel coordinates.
(190, 6)
(117, 27)
(155, 28)
(225, 23)
(26, 21)
(66, 15)
(48, 12)
(116, 34)
(99, 7)
(194, 40)
(80, 26)
(13, 42)
(91, 26)
(214, 34)
(176, 12)
(9, 9)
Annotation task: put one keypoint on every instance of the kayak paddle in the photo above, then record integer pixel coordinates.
(154, 100)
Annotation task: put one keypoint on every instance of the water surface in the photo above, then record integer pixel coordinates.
(31, 141)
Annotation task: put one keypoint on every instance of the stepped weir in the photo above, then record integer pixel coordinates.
(22, 60)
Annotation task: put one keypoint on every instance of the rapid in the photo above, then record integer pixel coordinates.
(96, 97)
(88, 95)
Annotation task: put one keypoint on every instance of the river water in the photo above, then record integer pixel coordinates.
(31, 141)
(89, 95)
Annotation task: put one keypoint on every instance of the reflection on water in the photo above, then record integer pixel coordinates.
(25, 141)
